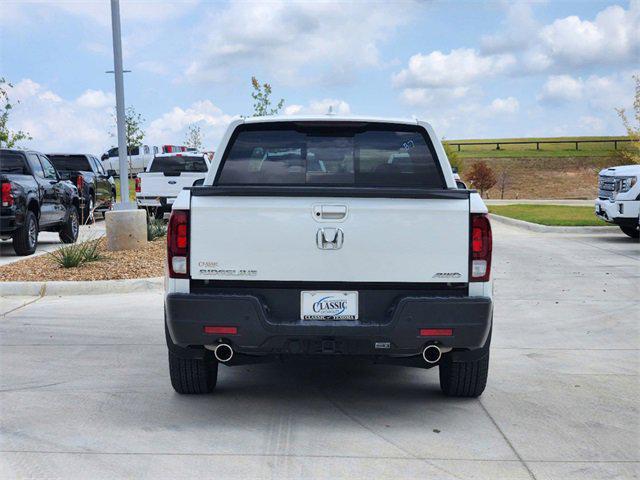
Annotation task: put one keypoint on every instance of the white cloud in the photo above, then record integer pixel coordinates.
(519, 28)
(84, 124)
(600, 92)
(57, 124)
(96, 99)
(319, 107)
(593, 125)
(562, 88)
(504, 105)
(323, 40)
(613, 37)
(460, 67)
(172, 126)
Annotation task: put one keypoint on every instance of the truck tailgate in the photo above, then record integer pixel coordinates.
(157, 184)
(333, 239)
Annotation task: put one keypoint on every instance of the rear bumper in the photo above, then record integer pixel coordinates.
(164, 202)
(469, 318)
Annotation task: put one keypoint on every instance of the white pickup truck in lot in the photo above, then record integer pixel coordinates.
(167, 174)
(306, 240)
(618, 199)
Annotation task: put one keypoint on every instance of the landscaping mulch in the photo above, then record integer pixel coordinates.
(145, 262)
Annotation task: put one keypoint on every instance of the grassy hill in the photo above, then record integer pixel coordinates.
(555, 171)
(587, 149)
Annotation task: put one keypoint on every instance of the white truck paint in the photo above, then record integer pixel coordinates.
(618, 199)
(137, 160)
(167, 174)
(247, 257)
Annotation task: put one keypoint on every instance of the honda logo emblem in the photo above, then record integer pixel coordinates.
(329, 238)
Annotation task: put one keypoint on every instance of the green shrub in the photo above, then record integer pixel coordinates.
(156, 228)
(77, 254)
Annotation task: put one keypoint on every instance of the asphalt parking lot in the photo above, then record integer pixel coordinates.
(85, 393)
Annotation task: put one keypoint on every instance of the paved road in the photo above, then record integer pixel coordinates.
(85, 391)
(49, 241)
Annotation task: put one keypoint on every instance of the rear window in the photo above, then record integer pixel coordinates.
(70, 162)
(13, 163)
(175, 164)
(359, 155)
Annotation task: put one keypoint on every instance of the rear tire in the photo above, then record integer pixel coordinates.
(633, 232)
(192, 376)
(25, 240)
(464, 379)
(88, 211)
(71, 228)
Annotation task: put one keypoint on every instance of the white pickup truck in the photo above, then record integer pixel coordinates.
(618, 199)
(167, 174)
(305, 240)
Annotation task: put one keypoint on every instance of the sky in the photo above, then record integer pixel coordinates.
(473, 69)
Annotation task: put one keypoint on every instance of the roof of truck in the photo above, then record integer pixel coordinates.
(328, 118)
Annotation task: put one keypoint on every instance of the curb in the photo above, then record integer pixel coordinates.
(97, 287)
(534, 227)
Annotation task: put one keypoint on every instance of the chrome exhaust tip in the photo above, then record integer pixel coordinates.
(432, 354)
(223, 352)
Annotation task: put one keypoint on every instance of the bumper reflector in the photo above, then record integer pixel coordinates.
(221, 330)
(436, 332)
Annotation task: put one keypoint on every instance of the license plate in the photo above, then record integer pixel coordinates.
(329, 305)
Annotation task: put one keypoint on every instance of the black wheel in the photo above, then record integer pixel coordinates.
(25, 240)
(71, 228)
(465, 378)
(633, 232)
(192, 375)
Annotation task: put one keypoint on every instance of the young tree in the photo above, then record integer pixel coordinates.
(262, 99)
(503, 181)
(194, 137)
(8, 137)
(481, 177)
(632, 155)
(134, 133)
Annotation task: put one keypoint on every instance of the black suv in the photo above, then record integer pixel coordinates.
(34, 199)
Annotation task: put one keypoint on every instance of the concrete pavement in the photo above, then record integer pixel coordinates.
(84, 389)
(49, 241)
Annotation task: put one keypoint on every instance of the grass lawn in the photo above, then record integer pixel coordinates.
(554, 215)
(546, 150)
(132, 189)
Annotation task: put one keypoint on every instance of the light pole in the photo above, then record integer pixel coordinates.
(124, 203)
(126, 225)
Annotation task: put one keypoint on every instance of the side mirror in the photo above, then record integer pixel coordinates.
(198, 182)
(111, 173)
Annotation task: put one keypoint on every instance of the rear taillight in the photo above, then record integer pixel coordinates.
(178, 244)
(80, 182)
(138, 184)
(7, 195)
(481, 244)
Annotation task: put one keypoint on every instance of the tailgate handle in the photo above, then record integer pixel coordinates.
(332, 212)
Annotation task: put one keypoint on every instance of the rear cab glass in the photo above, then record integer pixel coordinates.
(70, 162)
(13, 163)
(349, 154)
(178, 164)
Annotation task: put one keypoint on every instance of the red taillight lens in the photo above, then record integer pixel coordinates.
(138, 184)
(7, 196)
(178, 244)
(481, 245)
(221, 330)
(80, 182)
